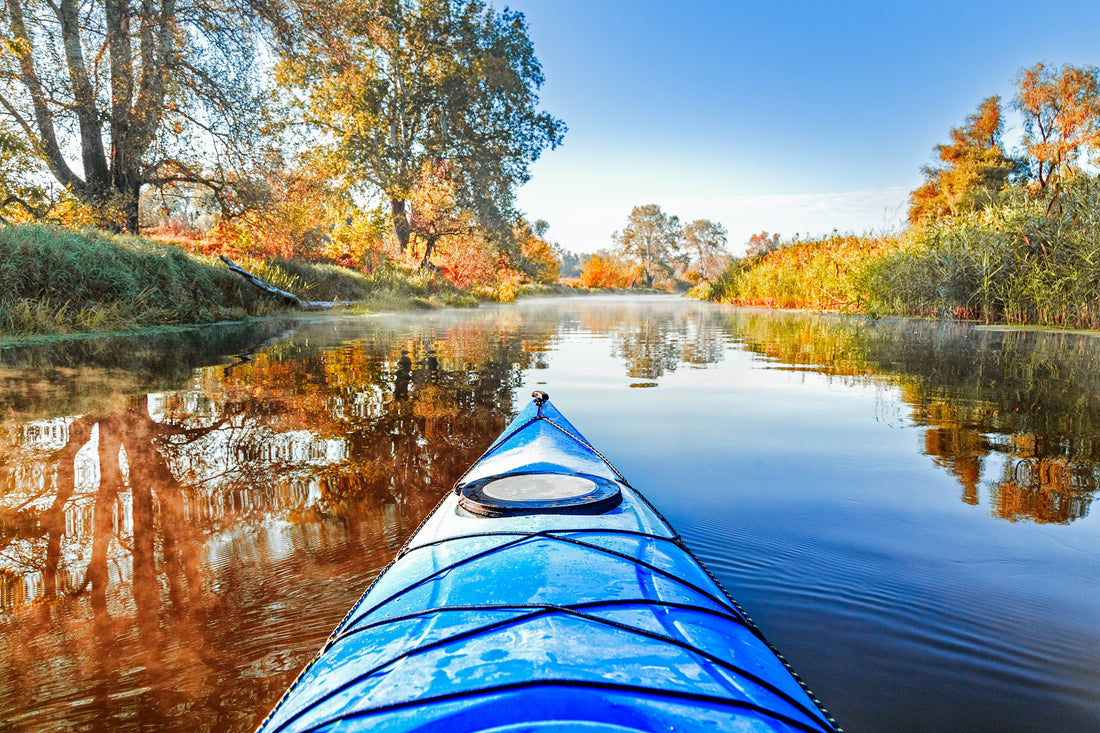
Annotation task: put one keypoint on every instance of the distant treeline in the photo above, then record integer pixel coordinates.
(992, 236)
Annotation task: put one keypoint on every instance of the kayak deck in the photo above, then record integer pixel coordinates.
(545, 620)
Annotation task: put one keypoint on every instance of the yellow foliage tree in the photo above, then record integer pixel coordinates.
(972, 165)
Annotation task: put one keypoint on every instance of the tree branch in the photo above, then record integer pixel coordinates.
(46, 139)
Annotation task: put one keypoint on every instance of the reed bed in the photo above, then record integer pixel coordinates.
(819, 274)
(1019, 262)
(1022, 259)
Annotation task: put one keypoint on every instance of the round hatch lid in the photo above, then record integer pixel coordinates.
(539, 493)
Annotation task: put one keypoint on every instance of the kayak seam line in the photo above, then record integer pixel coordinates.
(759, 633)
(589, 684)
(523, 606)
(539, 416)
(546, 534)
(590, 447)
(545, 610)
(578, 530)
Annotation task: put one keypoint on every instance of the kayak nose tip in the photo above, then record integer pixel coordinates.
(541, 398)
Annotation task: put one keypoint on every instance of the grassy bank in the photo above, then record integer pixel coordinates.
(1021, 260)
(63, 281)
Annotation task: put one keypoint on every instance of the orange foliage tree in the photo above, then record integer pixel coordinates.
(538, 260)
(604, 272)
(1061, 109)
(974, 163)
(301, 213)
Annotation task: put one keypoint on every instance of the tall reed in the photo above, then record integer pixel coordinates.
(815, 274)
(1019, 262)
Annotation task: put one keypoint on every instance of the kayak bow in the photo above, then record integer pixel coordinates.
(545, 593)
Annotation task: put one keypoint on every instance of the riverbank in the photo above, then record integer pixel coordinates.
(1024, 260)
(61, 282)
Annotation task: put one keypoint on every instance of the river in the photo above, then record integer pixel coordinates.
(904, 507)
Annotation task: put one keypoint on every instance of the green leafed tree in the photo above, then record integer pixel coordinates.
(652, 241)
(20, 194)
(973, 166)
(410, 85)
(113, 95)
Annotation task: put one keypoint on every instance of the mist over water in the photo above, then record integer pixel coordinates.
(904, 507)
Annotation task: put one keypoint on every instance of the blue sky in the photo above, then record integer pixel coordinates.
(790, 117)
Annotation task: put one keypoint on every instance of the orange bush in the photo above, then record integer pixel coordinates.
(603, 272)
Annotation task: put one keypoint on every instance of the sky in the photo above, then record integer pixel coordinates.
(788, 117)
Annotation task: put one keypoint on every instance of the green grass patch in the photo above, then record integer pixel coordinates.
(64, 281)
(60, 281)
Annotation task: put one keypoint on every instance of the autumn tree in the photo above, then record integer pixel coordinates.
(435, 212)
(651, 240)
(113, 95)
(419, 84)
(1061, 109)
(602, 270)
(706, 241)
(761, 244)
(974, 164)
(538, 259)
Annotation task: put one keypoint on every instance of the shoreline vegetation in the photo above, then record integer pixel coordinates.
(67, 283)
(324, 179)
(1016, 261)
(77, 282)
(996, 234)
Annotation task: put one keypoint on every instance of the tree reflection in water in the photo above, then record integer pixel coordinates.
(181, 527)
(1019, 409)
(129, 535)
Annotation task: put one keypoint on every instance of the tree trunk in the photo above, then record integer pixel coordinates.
(129, 193)
(426, 262)
(400, 221)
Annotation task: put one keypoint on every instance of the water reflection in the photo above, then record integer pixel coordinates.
(1017, 410)
(183, 521)
(132, 528)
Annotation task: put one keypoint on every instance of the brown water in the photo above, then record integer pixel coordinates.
(904, 507)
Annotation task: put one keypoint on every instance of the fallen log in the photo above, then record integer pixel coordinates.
(264, 286)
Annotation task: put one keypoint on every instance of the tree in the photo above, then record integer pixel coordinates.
(972, 165)
(706, 240)
(651, 239)
(538, 259)
(18, 193)
(421, 83)
(435, 211)
(139, 92)
(602, 271)
(759, 245)
(1061, 109)
(571, 262)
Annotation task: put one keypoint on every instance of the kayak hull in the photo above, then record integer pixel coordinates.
(541, 621)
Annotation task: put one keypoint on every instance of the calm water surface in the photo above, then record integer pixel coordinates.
(904, 507)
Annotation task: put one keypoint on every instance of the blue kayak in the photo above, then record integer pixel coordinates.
(545, 593)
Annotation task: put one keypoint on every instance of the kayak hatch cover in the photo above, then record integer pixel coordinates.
(545, 593)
